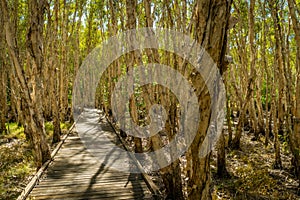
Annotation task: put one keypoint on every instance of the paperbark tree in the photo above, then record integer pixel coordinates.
(251, 13)
(133, 57)
(295, 135)
(52, 66)
(33, 118)
(281, 82)
(281, 105)
(3, 78)
(242, 79)
(210, 24)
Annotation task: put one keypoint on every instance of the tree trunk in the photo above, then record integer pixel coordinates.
(252, 110)
(280, 67)
(295, 134)
(3, 80)
(229, 123)
(133, 57)
(221, 160)
(52, 66)
(63, 70)
(221, 151)
(3, 109)
(267, 73)
(237, 139)
(33, 121)
(277, 162)
(210, 24)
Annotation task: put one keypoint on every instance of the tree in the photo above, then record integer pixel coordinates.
(51, 64)
(3, 78)
(33, 118)
(278, 119)
(209, 28)
(295, 135)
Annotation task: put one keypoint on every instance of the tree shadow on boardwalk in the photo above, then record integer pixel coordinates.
(121, 179)
(78, 173)
(136, 191)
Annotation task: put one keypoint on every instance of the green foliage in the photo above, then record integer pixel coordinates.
(17, 160)
(15, 131)
(49, 127)
(265, 91)
(65, 126)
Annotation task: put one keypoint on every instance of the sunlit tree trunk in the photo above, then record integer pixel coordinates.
(63, 68)
(242, 81)
(266, 74)
(51, 76)
(280, 67)
(210, 24)
(33, 111)
(239, 129)
(171, 174)
(132, 59)
(279, 75)
(253, 71)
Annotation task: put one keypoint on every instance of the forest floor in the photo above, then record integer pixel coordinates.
(252, 175)
(16, 164)
(17, 160)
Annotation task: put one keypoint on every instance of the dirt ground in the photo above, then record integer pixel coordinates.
(252, 175)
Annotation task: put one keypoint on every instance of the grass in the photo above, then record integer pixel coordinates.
(15, 131)
(17, 160)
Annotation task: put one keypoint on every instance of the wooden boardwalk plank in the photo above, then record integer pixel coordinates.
(74, 173)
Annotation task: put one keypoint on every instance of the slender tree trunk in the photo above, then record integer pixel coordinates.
(221, 151)
(3, 80)
(295, 134)
(243, 82)
(52, 66)
(63, 71)
(277, 162)
(237, 139)
(221, 161)
(171, 174)
(252, 110)
(3, 100)
(133, 57)
(229, 123)
(210, 24)
(280, 67)
(267, 74)
(33, 117)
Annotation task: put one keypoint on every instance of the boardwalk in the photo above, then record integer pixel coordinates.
(76, 174)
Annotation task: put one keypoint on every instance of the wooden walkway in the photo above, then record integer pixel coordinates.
(76, 174)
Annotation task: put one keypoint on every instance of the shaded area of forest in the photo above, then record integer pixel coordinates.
(255, 45)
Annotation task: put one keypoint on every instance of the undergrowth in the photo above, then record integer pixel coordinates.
(252, 175)
(17, 159)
